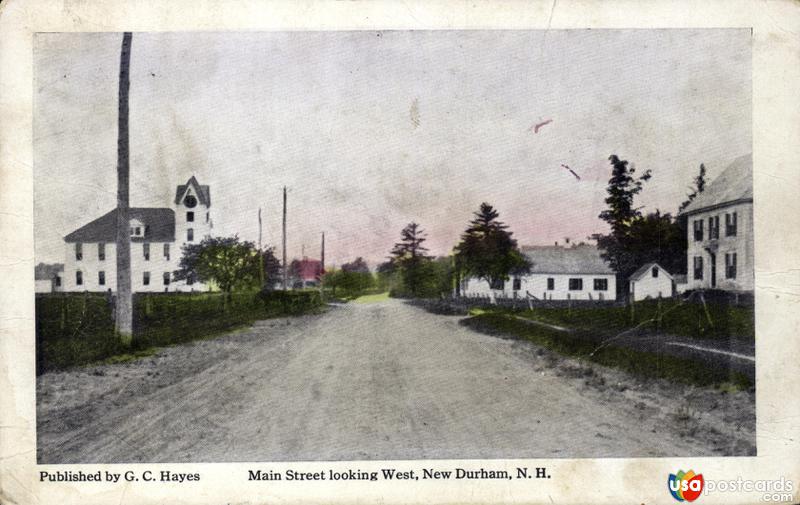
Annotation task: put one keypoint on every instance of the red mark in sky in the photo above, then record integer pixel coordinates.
(536, 127)
(572, 172)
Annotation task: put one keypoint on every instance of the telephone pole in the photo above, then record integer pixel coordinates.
(123, 310)
(260, 253)
(284, 238)
(322, 266)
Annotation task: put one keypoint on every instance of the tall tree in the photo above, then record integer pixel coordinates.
(123, 317)
(488, 251)
(271, 267)
(228, 261)
(409, 255)
(698, 186)
(620, 215)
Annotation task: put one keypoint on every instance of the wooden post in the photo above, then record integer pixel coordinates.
(123, 317)
(284, 238)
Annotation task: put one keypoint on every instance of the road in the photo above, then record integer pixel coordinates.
(361, 382)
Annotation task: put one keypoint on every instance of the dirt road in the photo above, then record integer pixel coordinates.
(372, 381)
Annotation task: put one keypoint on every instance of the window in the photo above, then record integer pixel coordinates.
(575, 284)
(78, 251)
(655, 272)
(517, 283)
(190, 235)
(136, 231)
(730, 224)
(146, 251)
(101, 278)
(166, 252)
(190, 217)
(551, 284)
(730, 265)
(58, 281)
(146, 278)
(166, 278)
(601, 284)
(207, 217)
(79, 278)
(698, 268)
(713, 227)
(498, 284)
(101, 251)
(698, 230)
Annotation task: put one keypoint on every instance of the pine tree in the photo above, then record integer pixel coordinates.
(409, 255)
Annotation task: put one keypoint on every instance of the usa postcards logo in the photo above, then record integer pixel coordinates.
(685, 486)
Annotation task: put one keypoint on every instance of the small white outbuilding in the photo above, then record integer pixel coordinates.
(651, 281)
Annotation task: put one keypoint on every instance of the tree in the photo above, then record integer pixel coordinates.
(409, 255)
(699, 185)
(357, 265)
(228, 261)
(272, 267)
(488, 251)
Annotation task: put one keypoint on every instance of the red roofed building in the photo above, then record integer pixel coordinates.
(306, 273)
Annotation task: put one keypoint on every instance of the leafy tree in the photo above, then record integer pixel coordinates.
(272, 267)
(357, 265)
(409, 256)
(349, 284)
(488, 251)
(228, 261)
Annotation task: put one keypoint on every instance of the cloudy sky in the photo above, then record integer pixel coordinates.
(372, 130)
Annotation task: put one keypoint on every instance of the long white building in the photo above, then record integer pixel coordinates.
(557, 273)
(157, 236)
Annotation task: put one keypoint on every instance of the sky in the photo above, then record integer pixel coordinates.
(372, 130)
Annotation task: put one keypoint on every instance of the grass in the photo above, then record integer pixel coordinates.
(373, 298)
(640, 363)
(669, 316)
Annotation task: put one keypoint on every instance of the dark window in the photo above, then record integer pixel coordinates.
(575, 284)
(730, 224)
(601, 284)
(655, 271)
(79, 278)
(166, 252)
(190, 201)
(138, 231)
(166, 278)
(190, 217)
(207, 218)
(517, 283)
(551, 284)
(58, 281)
(101, 251)
(713, 227)
(189, 235)
(146, 278)
(146, 251)
(698, 230)
(78, 251)
(730, 265)
(498, 284)
(101, 278)
(698, 268)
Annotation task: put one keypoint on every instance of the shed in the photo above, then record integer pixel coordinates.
(651, 280)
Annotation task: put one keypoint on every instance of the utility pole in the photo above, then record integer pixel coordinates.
(322, 266)
(260, 253)
(284, 238)
(123, 316)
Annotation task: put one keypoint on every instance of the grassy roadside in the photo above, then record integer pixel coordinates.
(643, 364)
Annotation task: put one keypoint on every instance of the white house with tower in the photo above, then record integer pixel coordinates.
(157, 235)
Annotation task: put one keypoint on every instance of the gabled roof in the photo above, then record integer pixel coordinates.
(735, 184)
(203, 192)
(578, 259)
(645, 269)
(159, 226)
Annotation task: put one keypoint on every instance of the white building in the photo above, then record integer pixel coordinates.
(651, 281)
(47, 277)
(720, 228)
(557, 273)
(157, 235)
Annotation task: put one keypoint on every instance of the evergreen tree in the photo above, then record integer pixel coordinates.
(409, 256)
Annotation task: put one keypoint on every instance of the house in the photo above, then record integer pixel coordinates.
(47, 277)
(720, 232)
(157, 236)
(306, 273)
(576, 272)
(651, 281)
